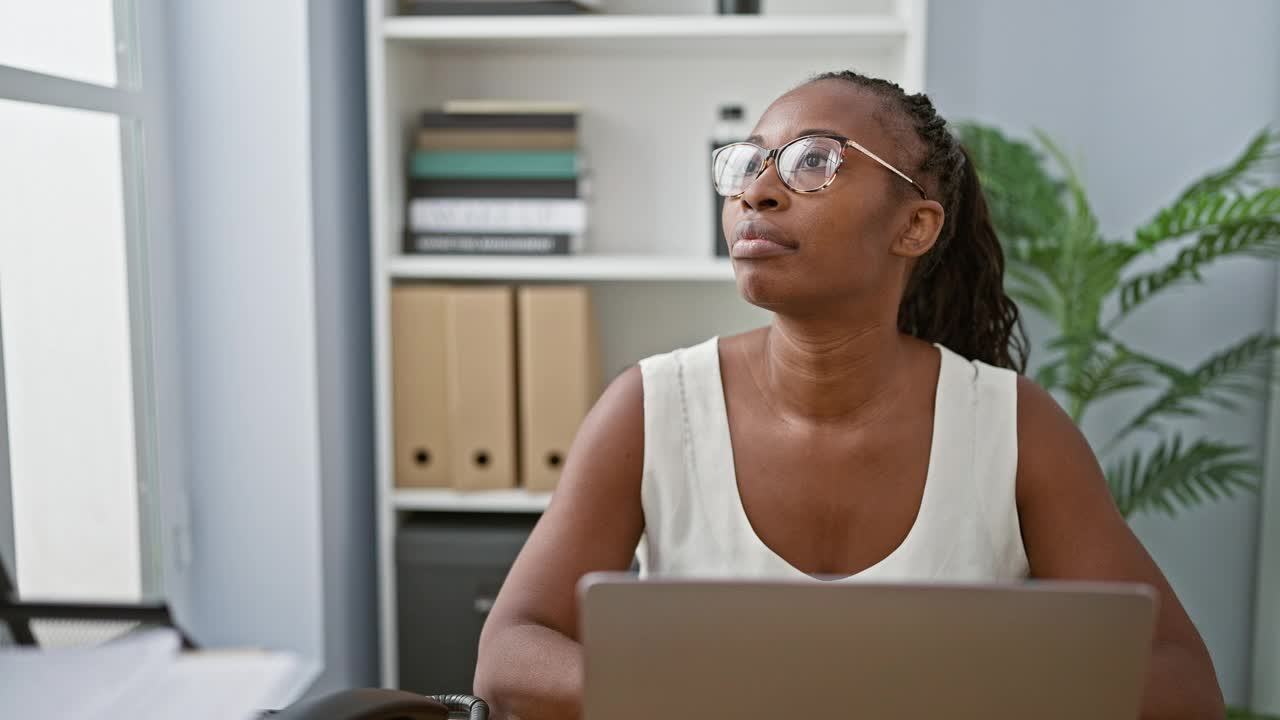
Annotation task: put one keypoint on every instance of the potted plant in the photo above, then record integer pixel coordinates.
(1061, 267)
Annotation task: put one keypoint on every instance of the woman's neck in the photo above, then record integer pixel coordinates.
(829, 374)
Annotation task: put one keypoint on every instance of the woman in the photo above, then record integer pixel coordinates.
(877, 428)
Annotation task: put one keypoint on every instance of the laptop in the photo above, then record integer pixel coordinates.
(665, 649)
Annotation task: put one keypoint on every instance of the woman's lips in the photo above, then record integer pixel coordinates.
(756, 239)
(753, 248)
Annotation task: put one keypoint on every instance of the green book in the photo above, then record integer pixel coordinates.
(504, 164)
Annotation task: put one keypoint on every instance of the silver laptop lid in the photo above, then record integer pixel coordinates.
(684, 649)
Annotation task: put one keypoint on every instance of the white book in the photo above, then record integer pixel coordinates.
(498, 215)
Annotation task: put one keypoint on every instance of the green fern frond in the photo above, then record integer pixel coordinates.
(1043, 253)
(1048, 375)
(1170, 372)
(1101, 270)
(1091, 366)
(1208, 211)
(1074, 187)
(1107, 373)
(1234, 371)
(1024, 200)
(1029, 287)
(1262, 150)
(1260, 238)
(1171, 475)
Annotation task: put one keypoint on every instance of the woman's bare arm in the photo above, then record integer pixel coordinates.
(530, 662)
(1072, 530)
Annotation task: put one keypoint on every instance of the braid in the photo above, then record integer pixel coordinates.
(955, 295)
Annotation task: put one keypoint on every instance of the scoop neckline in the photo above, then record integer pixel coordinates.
(740, 510)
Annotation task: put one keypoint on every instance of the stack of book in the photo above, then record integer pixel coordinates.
(497, 7)
(497, 178)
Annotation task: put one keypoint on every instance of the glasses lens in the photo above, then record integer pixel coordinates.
(733, 167)
(809, 163)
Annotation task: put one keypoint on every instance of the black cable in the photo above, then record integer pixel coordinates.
(475, 708)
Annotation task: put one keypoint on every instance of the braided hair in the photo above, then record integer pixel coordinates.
(955, 295)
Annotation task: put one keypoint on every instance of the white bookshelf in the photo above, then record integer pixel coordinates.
(444, 500)
(634, 268)
(650, 86)
(687, 33)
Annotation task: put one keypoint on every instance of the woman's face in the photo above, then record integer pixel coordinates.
(849, 246)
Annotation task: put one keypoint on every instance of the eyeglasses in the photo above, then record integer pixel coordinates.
(805, 165)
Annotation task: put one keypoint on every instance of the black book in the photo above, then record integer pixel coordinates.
(436, 119)
(421, 187)
(487, 244)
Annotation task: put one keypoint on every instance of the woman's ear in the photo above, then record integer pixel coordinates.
(920, 232)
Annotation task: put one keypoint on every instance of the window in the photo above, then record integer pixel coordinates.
(77, 401)
(54, 39)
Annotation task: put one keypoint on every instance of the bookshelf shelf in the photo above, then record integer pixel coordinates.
(615, 32)
(581, 268)
(443, 500)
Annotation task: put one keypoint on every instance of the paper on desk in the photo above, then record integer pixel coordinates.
(80, 682)
(144, 676)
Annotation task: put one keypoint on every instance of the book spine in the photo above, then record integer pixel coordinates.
(506, 215)
(489, 244)
(424, 188)
(496, 139)
(472, 121)
(510, 165)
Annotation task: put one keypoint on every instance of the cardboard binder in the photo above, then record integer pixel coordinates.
(559, 377)
(480, 343)
(418, 385)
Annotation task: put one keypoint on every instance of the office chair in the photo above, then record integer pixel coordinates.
(76, 623)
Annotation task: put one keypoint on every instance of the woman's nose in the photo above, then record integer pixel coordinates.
(767, 190)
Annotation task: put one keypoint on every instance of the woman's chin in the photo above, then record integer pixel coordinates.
(761, 286)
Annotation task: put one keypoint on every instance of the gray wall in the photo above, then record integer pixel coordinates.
(339, 193)
(239, 89)
(272, 289)
(1150, 94)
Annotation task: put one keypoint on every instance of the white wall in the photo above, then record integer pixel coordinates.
(239, 87)
(1151, 94)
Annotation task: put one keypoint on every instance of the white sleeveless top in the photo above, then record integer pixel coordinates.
(967, 526)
